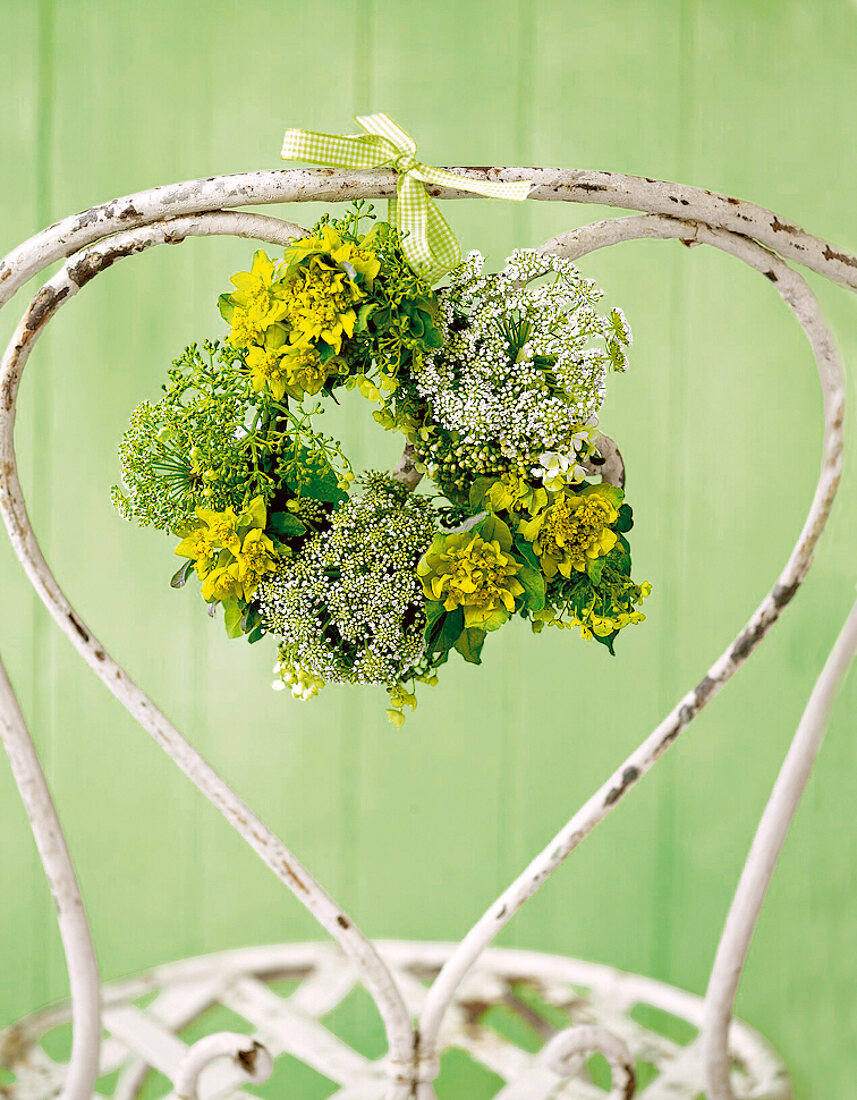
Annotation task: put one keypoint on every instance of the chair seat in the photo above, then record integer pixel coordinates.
(304, 1004)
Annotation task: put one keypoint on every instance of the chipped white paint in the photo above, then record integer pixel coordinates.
(248, 1055)
(601, 1001)
(731, 1061)
(83, 974)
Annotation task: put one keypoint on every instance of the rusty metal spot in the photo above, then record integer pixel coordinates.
(247, 1058)
(668, 739)
(747, 642)
(703, 689)
(473, 1010)
(342, 921)
(831, 254)
(78, 626)
(629, 775)
(783, 593)
(100, 655)
(783, 227)
(90, 265)
(770, 275)
(299, 882)
(42, 306)
(591, 187)
(8, 393)
(734, 202)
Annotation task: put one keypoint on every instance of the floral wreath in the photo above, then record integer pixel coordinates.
(495, 380)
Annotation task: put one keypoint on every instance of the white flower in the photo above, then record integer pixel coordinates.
(557, 469)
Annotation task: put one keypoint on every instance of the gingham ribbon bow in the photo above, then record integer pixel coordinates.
(428, 241)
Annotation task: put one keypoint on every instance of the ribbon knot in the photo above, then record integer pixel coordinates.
(404, 162)
(427, 239)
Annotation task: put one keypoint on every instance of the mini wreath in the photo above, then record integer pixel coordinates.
(495, 380)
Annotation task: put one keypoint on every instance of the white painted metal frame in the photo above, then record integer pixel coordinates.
(92, 241)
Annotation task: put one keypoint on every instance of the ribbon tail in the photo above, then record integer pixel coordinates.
(514, 190)
(339, 150)
(443, 244)
(411, 209)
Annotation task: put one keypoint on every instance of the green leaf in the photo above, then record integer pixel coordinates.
(607, 641)
(432, 337)
(434, 611)
(594, 569)
(444, 631)
(286, 524)
(226, 307)
(233, 613)
(626, 518)
(620, 556)
(325, 351)
(319, 482)
(363, 315)
(478, 489)
(496, 619)
(534, 588)
(255, 635)
(179, 578)
(453, 624)
(469, 644)
(525, 550)
(251, 618)
(612, 493)
(494, 528)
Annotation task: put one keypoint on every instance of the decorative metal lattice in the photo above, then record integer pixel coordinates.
(562, 1007)
(448, 990)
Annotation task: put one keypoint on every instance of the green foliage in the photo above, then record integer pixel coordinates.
(213, 442)
(494, 382)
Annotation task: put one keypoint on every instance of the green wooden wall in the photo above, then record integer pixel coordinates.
(416, 830)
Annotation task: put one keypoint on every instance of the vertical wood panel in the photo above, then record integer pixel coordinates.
(417, 829)
(25, 903)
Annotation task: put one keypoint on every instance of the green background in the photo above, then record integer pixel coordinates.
(415, 831)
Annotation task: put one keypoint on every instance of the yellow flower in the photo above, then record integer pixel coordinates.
(464, 570)
(245, 329)
(255, 558)
(574, 529)
(231, 552)
(200, 551)
(359, 256)
(320, 304)
(221, 583)
(220, 529)
(265, 362)
(257, 300)
(304, 371)
(362, 259)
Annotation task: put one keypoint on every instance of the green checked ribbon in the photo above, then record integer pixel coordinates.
(428, 241)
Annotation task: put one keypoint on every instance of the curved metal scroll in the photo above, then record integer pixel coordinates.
(169, 215)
